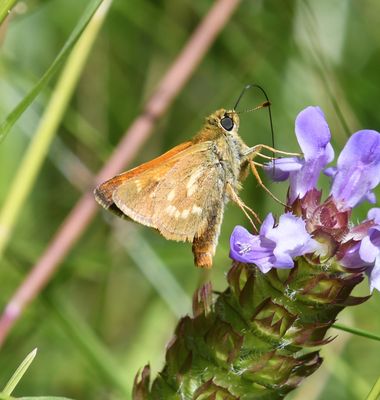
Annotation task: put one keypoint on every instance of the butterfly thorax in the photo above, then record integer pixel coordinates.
(227, 145)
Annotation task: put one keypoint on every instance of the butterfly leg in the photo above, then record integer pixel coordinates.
(253, 151)
(260, 182)
(237, 200)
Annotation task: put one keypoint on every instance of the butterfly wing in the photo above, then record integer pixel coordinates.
(177, 197)
(104, 192)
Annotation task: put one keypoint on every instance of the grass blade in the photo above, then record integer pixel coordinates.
(16, 377)
(15, 114)
(43, 398)
(5, 7)
(374, 394)
(38, 148)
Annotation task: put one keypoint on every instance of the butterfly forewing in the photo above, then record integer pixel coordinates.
(175, 197)
(104, 192)
(134, 197)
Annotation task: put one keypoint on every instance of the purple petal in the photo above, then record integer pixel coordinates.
(283, 260)
(247, 248)
(374, 213)
(374, 276)
(368, 251)
(370, 197)
(274, 246)
(313, 136)
(352, 258)
(366, 254)
(306, 179)
(374, 235)
(331, 172)
(291, 236)
(313, 133)
(241, 243)
(358, 169)
(267, 225)
(282, 166)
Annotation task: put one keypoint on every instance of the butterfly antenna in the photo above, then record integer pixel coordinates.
(265, 104)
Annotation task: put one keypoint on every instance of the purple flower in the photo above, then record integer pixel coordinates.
(275, 246)
(313, 135)
(366, 252)
(334, 238)
(358, 170)
(374, 276)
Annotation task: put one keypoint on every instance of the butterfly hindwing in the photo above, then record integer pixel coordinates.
(182, 211)
(134, 197)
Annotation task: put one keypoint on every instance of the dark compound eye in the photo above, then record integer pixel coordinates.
(227, 123)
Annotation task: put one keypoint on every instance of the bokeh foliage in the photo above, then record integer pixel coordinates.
(102, 304)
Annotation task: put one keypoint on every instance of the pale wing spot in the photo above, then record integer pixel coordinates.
(138, 185)
(191, 190)
(177, 214)
(191, 184)
(171, 210)
(196, 210)
(171, 195)
(185, 213)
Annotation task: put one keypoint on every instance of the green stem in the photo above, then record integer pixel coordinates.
(374, 394)
(5, 7)
(358, 332)
(15, 114)
(39, 146)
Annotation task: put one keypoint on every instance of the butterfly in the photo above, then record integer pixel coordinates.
(183, 193)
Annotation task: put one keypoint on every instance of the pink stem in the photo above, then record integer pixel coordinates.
(85, 209)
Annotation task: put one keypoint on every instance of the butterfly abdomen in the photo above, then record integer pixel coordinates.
(204, 246)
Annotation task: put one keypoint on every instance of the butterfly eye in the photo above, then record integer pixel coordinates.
(227, 123)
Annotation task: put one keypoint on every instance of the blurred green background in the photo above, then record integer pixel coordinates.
(114, 302)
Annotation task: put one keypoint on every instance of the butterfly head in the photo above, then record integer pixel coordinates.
(226, 120)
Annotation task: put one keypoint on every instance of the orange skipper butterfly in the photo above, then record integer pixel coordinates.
(183, 193)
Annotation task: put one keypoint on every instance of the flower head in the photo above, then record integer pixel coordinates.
(320, 226)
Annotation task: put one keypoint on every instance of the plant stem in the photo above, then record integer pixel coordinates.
(374, 394)
(358, 332)
(82, 213)
(5, 8)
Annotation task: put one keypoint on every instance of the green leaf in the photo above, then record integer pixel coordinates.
(374, 394)
(5, 7)
(15, 114)
(15, 379)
